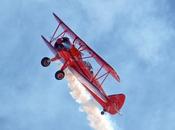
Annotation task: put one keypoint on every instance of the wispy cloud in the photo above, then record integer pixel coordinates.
(137, 36)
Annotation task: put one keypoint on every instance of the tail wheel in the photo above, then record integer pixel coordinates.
(59, 75)
(102, 112)
(45, 62)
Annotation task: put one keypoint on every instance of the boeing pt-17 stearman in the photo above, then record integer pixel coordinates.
(72, 52)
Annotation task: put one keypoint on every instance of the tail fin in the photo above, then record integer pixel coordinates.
(115, 103)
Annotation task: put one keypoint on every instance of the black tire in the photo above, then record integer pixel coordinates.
(59, 75)
(58, 47)
(102, 112)
(45, 62)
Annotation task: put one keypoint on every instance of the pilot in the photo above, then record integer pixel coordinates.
(62, 43)
(66, 43)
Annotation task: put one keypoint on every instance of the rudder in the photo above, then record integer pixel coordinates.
(115, 103)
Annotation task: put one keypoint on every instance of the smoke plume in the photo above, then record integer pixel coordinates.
(80, 94)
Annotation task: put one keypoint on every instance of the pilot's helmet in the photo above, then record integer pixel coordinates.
(65, 39)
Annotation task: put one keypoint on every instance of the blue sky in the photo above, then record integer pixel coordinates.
(135, 36)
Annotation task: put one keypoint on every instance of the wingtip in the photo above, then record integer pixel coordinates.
(116, 76)
(57, 18)
(42, 37)
(54, 14)
(118, 79)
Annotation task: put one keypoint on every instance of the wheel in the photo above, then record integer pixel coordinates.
(102, 112)
(58, 47)
(59, 75)
(45, 62)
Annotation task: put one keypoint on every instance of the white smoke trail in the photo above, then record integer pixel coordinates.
(80, 94)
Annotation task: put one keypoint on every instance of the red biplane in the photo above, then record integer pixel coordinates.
(74, 53)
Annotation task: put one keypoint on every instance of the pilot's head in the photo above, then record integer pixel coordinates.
(65, 39)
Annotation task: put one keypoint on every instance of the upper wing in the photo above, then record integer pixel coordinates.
(79, 41)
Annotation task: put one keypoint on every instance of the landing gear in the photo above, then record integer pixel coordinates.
(45, 62)
(59, 75)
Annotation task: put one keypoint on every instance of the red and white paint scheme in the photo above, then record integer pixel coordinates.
(76, 55)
